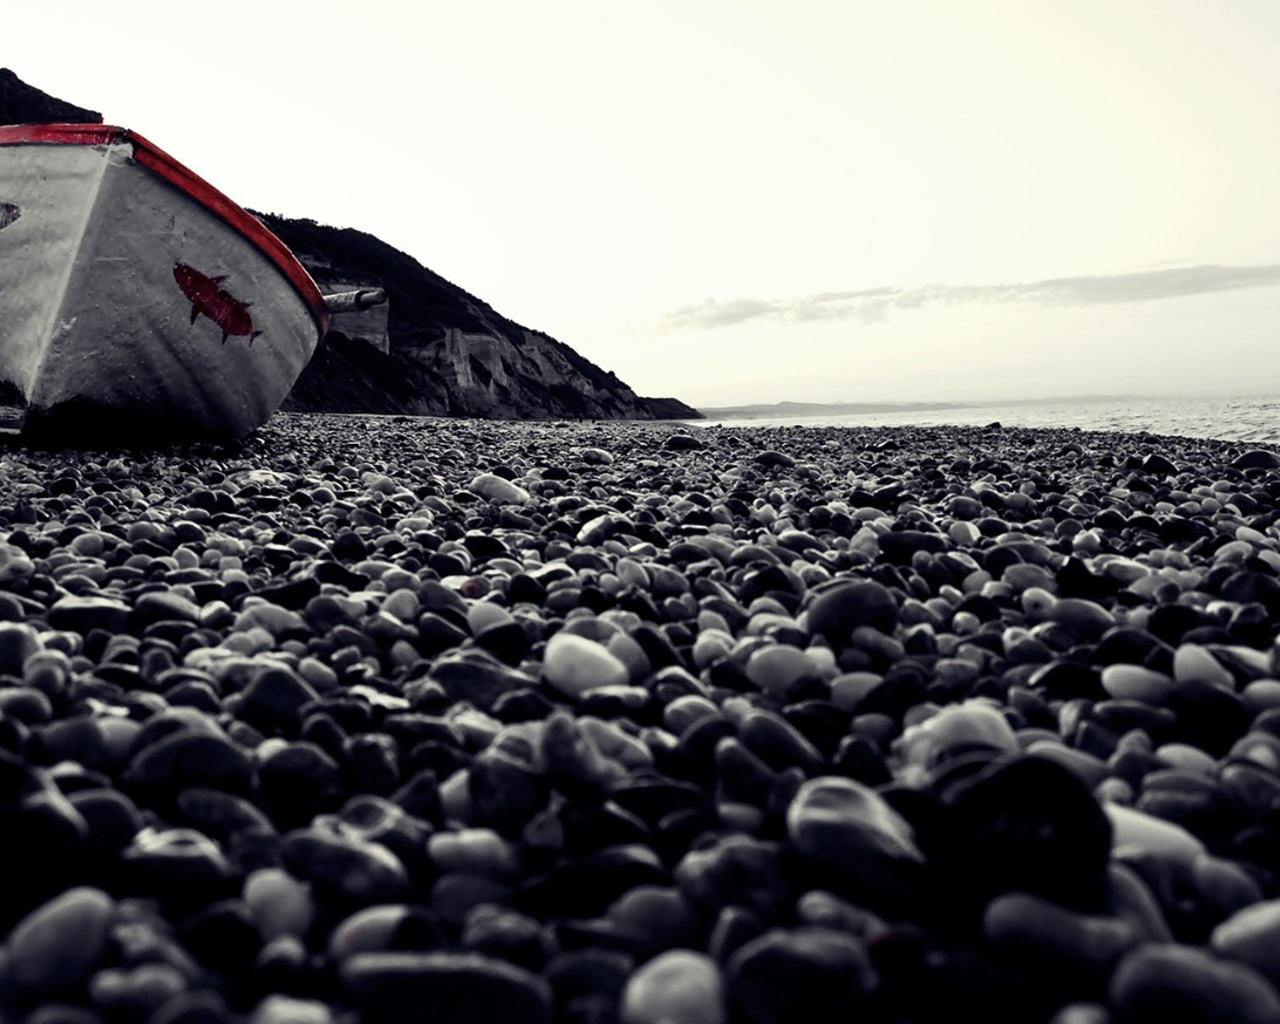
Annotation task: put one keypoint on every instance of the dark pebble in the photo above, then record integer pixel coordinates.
(802, 974)
(460, 988)
(1025, 824)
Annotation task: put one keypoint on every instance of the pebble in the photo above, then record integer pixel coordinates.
(958, 729)
(1224, 886)
(273, 699)
(1252, 936)
(1083, 618)
(370, 930)
(480, 850)
(456, 894)
(1257, 458)
(1136, 835)
(735, 870)
(801, 974)
(679, 986)
(48, 671)
(573, 761)
(574, 666)
(182, 866)
(505, 792)
(83, 614)
(192, 758)
(1048, 939)
(661, 914)
(347, 870)
(1025, 824)
(460, 988)
(495, 488)
(1193, 663)
(278, 903)
(201, 1006)
(854, 842)
(18, 641)
(137, 992)
(1172, 982)
(112, 818)
(55, 948)
(778, 667)
(507, 935)
(823, 909)
(477, 677)
(838, 610)
(777, 742)
(282, 1009)
(1133, 682)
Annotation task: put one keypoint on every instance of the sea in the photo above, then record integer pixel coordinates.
(1253, 419)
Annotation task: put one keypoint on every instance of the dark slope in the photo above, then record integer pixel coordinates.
(459, 355)
(24, 104)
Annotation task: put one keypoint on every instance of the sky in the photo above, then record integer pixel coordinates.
(735, 201)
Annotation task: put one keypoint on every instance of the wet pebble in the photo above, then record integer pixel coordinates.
(55, 948)
(461, 988)
(676, 987)
(574, 666)
(840, 609)
(492, 487)
(1049, 940)
(279, 903)
(347, 870)
(1186, 983)
(855, 843)
(810, 974)
(1252, 936)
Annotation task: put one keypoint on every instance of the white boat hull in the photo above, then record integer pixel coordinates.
(132, 302)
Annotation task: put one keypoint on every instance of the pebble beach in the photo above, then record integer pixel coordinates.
(389, 720)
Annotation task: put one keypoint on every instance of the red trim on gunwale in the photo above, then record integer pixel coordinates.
(157, 160)
(67, 134)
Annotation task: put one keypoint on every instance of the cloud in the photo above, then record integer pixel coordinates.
(871, 305)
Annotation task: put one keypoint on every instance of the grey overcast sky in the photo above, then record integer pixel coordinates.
(739, 201)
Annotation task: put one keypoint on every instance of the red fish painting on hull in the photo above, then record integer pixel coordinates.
(209, 297)
(9, 212)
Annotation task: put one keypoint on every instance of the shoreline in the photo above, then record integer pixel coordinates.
(556, 721)
(1251, 420)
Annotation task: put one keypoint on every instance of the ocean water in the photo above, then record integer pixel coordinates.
(1228, 419)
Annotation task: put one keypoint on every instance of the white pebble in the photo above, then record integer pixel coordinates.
(574, 665)
(492, 487)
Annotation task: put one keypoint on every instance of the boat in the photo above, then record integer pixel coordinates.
(136, 300)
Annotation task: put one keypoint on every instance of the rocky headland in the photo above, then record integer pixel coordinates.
(21, 103)
(436, 350)
(619, 722)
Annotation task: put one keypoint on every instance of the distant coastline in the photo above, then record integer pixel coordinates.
(1241, 418)
(823, 409)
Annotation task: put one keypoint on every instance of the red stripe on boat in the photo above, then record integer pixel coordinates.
(68, 134)
(157, 160)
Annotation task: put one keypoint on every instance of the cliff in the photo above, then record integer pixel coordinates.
(433, 349)
(24, 104)
(446, 352)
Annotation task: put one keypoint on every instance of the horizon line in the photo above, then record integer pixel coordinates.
(790, 407)
(873, 305)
